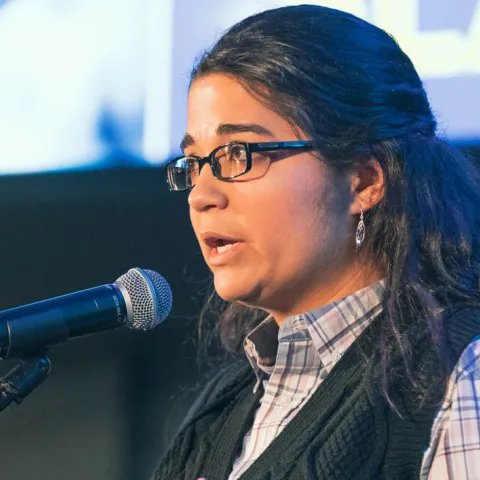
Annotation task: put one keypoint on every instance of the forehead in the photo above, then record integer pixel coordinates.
(220, 99)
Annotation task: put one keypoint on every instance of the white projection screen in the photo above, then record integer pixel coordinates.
(103, 83)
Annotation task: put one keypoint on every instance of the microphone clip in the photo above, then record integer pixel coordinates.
(23, 379)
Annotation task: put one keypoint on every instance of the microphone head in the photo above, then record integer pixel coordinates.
(148, 298)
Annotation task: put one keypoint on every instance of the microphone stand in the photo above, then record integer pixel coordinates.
(23, 379)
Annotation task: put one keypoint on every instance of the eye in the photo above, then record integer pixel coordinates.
(236, 153)
(230, 160)
(192, 163)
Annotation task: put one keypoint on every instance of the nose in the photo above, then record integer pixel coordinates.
(207, 192)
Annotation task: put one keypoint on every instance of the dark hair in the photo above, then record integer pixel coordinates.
(349, 86)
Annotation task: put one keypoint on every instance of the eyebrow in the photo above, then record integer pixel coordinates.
(229, 129)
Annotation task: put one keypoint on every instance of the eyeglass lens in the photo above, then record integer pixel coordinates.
(229, 161)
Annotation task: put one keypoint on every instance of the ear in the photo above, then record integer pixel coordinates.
(367, 186)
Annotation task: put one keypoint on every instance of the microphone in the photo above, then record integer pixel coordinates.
(139, 299)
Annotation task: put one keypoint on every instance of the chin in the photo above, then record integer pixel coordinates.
(233, 290)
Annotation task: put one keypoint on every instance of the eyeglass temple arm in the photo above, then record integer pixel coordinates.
(270, 146)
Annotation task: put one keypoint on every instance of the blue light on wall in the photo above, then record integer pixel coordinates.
(102, 83)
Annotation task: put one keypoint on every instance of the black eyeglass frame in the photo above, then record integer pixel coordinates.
(249, 149)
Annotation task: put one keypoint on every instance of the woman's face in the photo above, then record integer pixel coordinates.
(286, 235)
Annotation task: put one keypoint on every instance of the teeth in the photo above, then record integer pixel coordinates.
(224, 248)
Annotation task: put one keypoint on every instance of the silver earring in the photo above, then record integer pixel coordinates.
(360, 233)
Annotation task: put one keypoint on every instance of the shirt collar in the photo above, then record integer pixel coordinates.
(332, 329)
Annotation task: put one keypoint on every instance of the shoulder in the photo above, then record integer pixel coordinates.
(224, 377)
(462, 331)
(463, 394)
(221, 383)
(469, 361)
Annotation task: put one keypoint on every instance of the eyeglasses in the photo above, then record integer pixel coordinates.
(227, 161)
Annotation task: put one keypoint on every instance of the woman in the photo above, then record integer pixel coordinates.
(344, 236)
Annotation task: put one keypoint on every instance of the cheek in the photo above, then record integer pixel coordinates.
(286, 226)
(302, 223)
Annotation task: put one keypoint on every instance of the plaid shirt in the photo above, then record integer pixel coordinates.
(454, 450)
(291, 368)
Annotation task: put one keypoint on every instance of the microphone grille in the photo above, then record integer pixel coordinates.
(150, 297)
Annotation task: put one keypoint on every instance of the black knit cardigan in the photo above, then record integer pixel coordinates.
(345, 431)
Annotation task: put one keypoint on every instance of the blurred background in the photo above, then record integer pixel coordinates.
(92, 103)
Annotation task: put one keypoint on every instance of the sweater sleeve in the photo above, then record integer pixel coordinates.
(454, 451)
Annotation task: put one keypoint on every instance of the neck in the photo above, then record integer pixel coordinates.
(338, 286)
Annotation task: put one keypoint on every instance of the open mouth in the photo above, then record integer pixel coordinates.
(223, 246)
(220, 245)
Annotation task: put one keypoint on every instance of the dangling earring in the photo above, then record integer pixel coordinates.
(360, 233)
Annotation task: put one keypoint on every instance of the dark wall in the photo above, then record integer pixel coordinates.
(112, 399)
